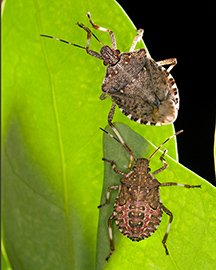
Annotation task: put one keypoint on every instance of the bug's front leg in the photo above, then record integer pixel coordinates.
(112, 37)
(89, 33)
(137, 38)
(164, 162)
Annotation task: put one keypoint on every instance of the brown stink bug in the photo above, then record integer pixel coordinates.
(143, 89)
(138, 208)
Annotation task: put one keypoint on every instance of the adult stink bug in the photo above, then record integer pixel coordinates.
(138, 208)
(143, 89)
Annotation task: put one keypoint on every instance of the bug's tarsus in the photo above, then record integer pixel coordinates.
(188, 186)
(111, 252)
(166, 250)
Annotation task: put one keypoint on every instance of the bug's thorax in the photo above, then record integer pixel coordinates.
(140, 185)
(111, 56)
(142, 166)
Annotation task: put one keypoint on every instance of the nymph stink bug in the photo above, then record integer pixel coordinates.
(138, 208)
(143, 89)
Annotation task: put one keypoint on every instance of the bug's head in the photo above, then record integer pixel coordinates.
(110, 56)
(142, 165)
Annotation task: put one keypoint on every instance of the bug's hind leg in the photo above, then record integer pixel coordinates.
(110, 237)
(168, 228)
(112, 37)
(171, 61)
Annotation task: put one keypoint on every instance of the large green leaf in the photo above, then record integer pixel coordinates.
(191, 241)
(51, 143)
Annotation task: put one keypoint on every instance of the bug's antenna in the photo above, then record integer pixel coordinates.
(124, 145)
(89, 33)
(62, 40)
(164, 143)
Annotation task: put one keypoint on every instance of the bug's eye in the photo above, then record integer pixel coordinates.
(134, 168)
(117, 52)
(106, 62)
(148, 169)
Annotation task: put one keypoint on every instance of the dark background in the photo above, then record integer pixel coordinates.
(186, 32)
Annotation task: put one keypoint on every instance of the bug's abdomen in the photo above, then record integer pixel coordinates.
(137, 220)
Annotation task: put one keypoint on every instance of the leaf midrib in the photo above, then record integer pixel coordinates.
(61, 148)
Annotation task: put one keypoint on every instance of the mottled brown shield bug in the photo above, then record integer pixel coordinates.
(143, 89)
(138, 207)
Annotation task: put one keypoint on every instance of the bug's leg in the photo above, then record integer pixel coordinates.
(89, 33)
(137, 38)
(113, 41)
(168, 227)
(171, 61)
(177, 184)
(111, 237)
(111, 113)
(108, 195)
(164, 162)
(114, 167)
(103, 96)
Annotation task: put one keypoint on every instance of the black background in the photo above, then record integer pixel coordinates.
(186, 32)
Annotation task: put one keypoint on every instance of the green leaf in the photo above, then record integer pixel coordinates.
(5, 265)
(191, 241)
(51, 142)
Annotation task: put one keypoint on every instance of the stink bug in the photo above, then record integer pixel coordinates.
(138, 208)
(143, 89)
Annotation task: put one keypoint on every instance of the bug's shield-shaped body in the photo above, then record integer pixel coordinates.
(144, 91)
(138, 209)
